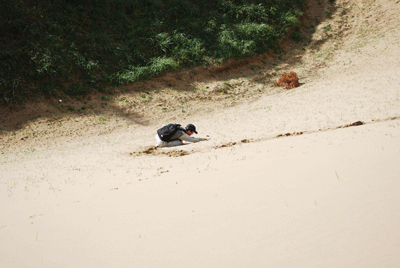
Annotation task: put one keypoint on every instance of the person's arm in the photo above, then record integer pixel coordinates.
(186, 137)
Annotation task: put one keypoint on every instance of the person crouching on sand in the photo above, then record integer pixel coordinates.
(174, 134)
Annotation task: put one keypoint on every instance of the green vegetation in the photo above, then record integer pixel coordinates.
(70, 46)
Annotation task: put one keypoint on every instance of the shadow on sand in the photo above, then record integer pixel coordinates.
(259, 69)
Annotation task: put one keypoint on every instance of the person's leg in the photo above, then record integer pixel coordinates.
(174, 143)
(160, 142)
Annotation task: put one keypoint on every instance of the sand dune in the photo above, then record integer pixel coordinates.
(287, 179)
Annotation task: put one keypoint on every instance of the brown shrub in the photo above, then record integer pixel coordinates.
(290, 80)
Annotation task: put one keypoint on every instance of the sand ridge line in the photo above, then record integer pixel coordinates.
(158, 151)
(354, 124)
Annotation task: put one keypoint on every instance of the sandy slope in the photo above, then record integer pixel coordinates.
(327, 199)
(323, 196)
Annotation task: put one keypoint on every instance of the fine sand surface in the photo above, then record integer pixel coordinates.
(305, 177)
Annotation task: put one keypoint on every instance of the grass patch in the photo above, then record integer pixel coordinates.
(103, 119)
(75, 47)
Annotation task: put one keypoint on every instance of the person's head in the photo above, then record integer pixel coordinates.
(190, 129)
